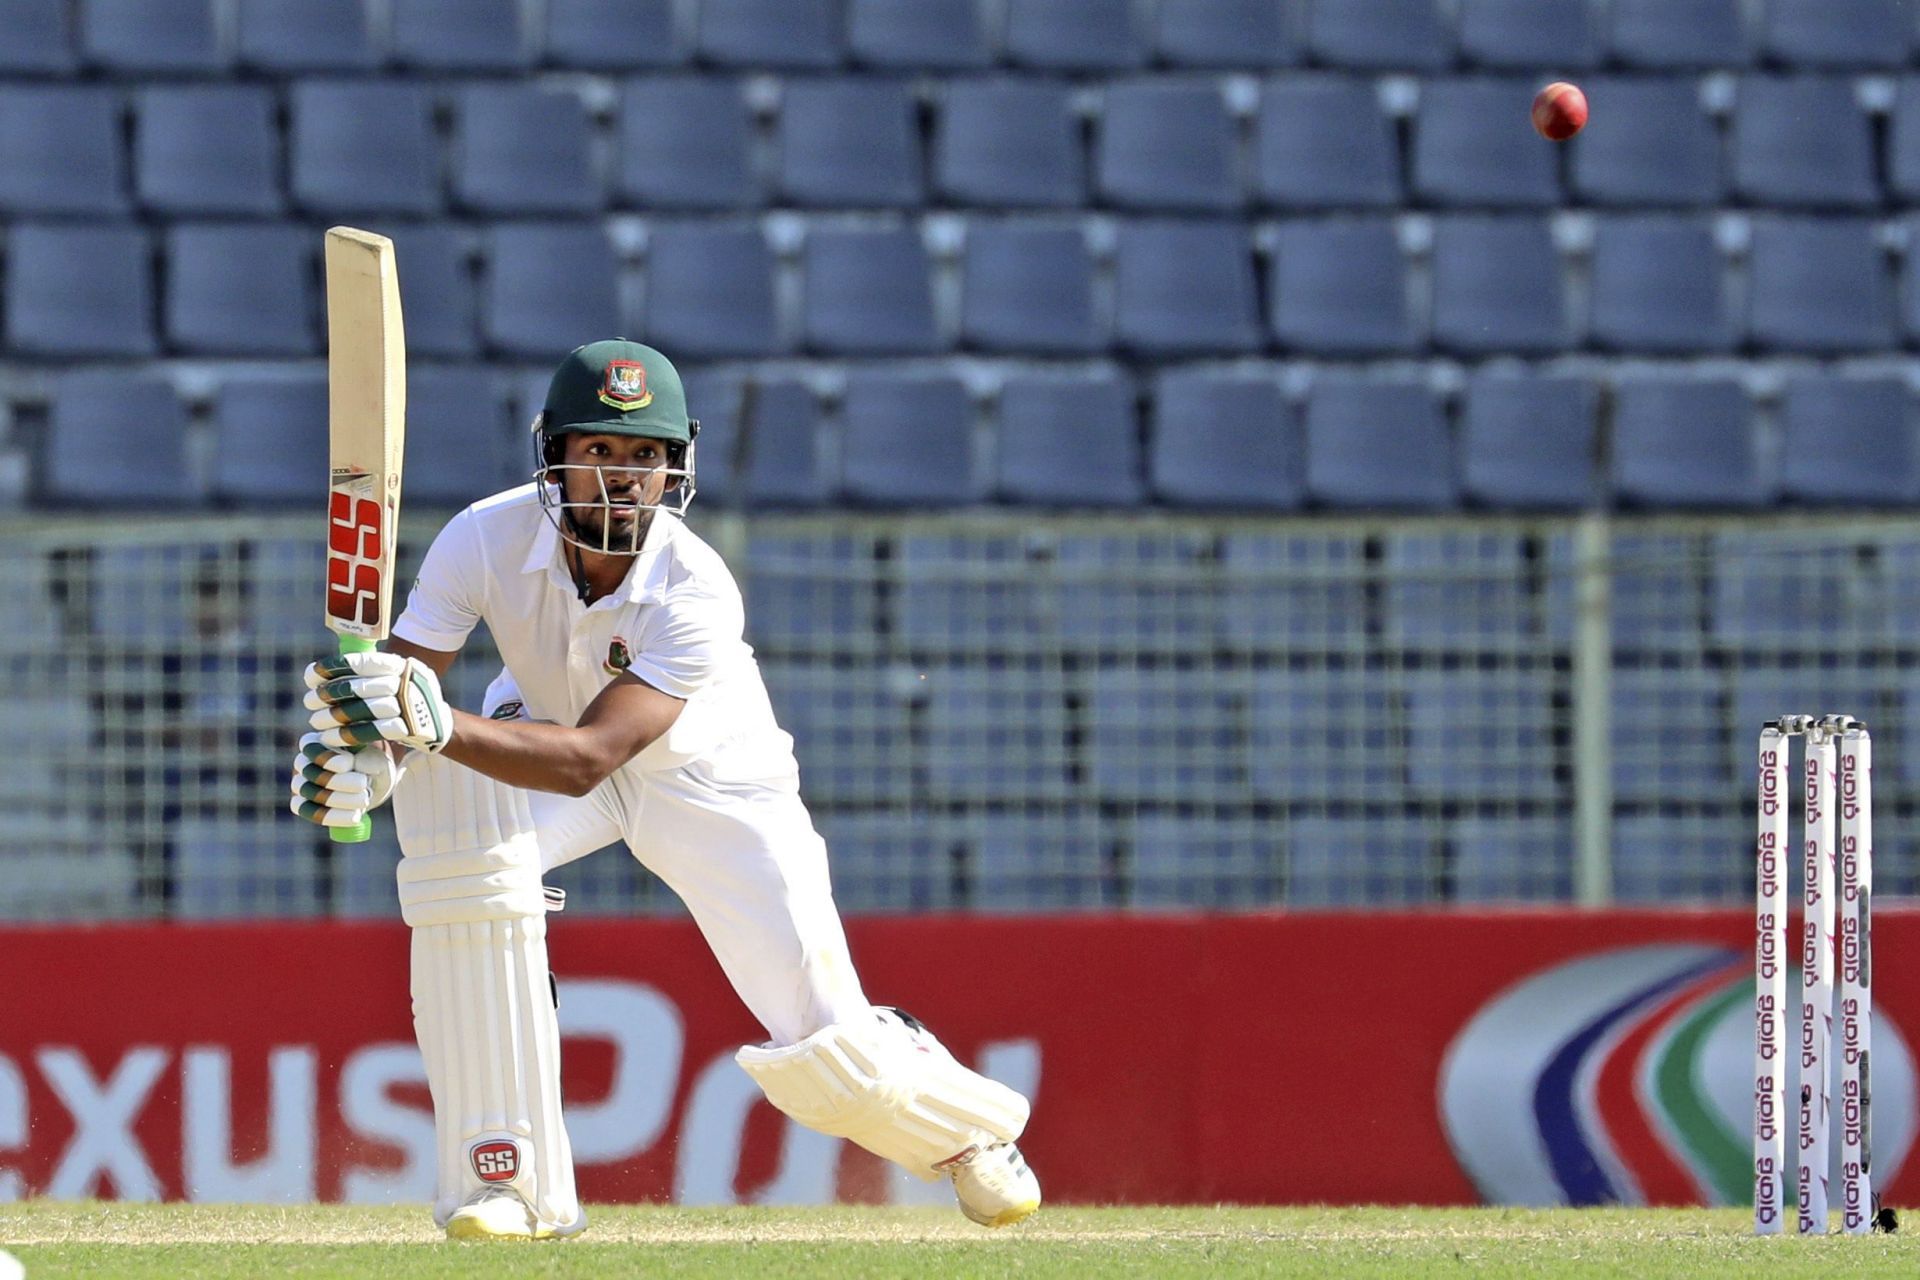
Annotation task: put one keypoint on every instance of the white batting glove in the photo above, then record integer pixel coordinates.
(339, 788)
(361, 698)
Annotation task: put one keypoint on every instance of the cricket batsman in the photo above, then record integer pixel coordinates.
(630, 708)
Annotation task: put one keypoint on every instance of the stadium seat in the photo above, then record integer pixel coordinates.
(1650, 142)
(1340, 288)
(364, 147)
(1804, 142)
(850, 142)
(1659, 286)
(1028, 287)
(1497, 287)
(868, 291)
(270, 439)
(614, 35)
(1819, 285)
(907, 441)
(241, 289)
(913, 35)
(1464, 587)
(1377, 444)
(146, 36)
(1254, 34)
(882, 864)
(1131, 593)
(996, 733)
(1685, 442)
(685, 143)
(802, 598)
(455, 452)
(971, 593)
(1292, 595)
(79, 290)
(1185, 288)
(1074, 35)
(304, 36)
(1659, 35)
(714, 401)
(710, 291)
(1528, 441)
(1474, 146)
(1838, 33)
(1224, 440)
(1168, 146)
(1209, 863)
(1166, 735)
(1848, 441)
(1010, 142)
(1523, 35)
(789, 34)
(779, 460)
(87, 458)
(523, 150)
(1511, 860)
(212, 149)
(1036, 862)
(38, 41)
(227, 867)
(1343, 716)
(1359, 862)
(459, 35)
(437, 285)
(1660, 859)
(1689, 705)
(1323, 142)
(549, 286)
(60, 150)
(1380, 35)
(1068, 440)
(1903, 142)
(1480, 735)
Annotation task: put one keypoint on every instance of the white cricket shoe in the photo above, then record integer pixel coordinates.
(995, 1187)
(495, 1213)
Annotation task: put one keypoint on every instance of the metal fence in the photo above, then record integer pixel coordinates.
(1013, 712)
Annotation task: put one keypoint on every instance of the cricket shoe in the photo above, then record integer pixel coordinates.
(995, 1187)
(495, 1213)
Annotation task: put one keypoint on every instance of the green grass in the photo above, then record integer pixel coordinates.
(208, 1242)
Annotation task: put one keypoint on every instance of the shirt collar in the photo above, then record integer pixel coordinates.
(646, 581)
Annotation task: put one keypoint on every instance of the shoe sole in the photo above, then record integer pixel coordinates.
(1017, 1213)
(469, 1228)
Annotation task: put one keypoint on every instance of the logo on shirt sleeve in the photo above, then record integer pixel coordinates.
(619, 658)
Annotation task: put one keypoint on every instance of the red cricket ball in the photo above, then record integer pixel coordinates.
(1559, 111)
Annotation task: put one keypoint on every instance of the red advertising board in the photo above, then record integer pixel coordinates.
(1438, 1058)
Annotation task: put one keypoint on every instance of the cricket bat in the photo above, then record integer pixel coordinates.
(366, 435)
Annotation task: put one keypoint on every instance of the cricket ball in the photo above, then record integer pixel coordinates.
(1559, 111)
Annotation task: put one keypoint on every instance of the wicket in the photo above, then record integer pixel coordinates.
(1838, 783)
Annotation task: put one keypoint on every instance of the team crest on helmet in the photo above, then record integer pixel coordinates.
(618, 657)
(624, 385)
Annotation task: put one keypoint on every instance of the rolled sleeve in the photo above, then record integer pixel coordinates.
(687, 640)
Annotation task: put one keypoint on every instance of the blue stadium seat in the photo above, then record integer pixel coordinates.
(1380, 35)
(519, 149)
(1293, 595)
(1028, 287)
(437, 286)
(1480, 735)
(1185, 288)
(549, 286)
(971, 592)
(907, 441)
(1460, 588)
(1323, 142)
(1848, 440)
(714, 401)
(614, 35)
(207, 149)
(1359, 862)
(1686, 442)
(1838, 33)
(1525, 35)
(1821, 285)
(1011, 142)
(710, 291)
(1473, 146)
(305, 36)
(1168, 145)
(881, 862)
(1037, 862)
(1669, 34)
(1512, 860)
(87, 458)
(810, 595)
(1660, 859)
(1497, 287)
(850, 142)
(1527, 440)
(1132, 593)
(868, 291)
(226, 867)
(38, 38)
(1344, 718)
(455, 452)
(364, 147)
(1074, 35)
(1166, 735)
(1069, 440)
(1903, 142)
(60, 150)
(1225, 440)
(1210, 863)
(797, 34)
(1689, 704)
(241, 289)
(685, 143)
(996, 733)
(1255, 34)
(459, 35)
(81, 290)
(270, 439)
(933, 35)
(779, 452)
(1659, 286)
(1377, 444)
(1340, 288)
(139, 36)
(1803, 141)
(1650, 142)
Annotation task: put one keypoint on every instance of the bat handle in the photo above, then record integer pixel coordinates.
(361, 831)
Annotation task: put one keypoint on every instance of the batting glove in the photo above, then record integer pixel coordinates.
(361, 698)
(339, 788)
